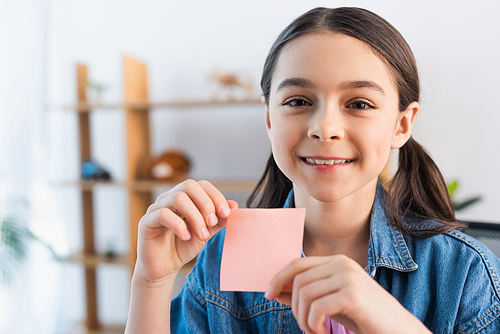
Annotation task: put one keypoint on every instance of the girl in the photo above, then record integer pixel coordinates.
(341, 89)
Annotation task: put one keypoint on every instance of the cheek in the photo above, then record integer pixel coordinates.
(375, 144)
(281, 141)
(285, 136)
(283, 132)
(275, 133)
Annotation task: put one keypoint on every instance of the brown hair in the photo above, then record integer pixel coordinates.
(417, 190)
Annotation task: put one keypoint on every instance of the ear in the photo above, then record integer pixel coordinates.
(268, 120)
(404, 127)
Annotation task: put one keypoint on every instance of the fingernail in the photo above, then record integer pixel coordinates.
(187, 235)
(204, 233)
(212, 219)
(225, 210)
(268, 293)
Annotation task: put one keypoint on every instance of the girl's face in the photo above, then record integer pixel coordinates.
(333, 116)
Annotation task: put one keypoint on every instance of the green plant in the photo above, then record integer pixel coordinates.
(15, 238)
(453, 185)
(96, 86)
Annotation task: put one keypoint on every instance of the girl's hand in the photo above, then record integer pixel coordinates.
(337, 286)
(175, 228)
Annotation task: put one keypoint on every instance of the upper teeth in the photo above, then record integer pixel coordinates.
(325, 162)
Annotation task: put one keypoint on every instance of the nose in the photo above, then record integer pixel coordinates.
(326, 124)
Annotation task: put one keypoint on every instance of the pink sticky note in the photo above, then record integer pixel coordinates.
(258, 244)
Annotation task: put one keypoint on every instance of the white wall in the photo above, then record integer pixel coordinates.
(455, 43)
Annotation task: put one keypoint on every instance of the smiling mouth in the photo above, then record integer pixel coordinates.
(326, 162)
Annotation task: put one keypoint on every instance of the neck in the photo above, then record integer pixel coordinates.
(338, 227)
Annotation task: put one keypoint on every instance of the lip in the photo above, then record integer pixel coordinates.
(322, 157)
(326, 167)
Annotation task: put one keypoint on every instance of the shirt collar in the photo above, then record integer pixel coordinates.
(387, 247)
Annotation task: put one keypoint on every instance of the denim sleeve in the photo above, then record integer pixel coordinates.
(479, 310)
(188, 312)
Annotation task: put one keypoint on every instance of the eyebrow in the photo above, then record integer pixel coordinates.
(357, 84)
(308, 84)
(297, 82)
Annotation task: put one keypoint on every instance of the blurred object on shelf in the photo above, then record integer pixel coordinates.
(94, 91)
(110, 250)
(91, 170)
(231, 86)
(453, 185)
(172, 165)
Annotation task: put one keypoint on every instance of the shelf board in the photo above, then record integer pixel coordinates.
(80, 328)
(238, 185)
(92, 261)
(150, 185)
(145, 105)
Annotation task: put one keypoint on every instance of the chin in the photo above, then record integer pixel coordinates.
(328, 194)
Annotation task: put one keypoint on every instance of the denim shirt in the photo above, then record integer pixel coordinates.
(449, 281)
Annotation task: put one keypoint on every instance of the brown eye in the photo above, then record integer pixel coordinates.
(361, 105)
(296, 103)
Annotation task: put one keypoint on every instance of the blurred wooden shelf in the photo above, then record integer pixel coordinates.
(149, 185)
(80, 328)
(145, 105)
(92, 261)
(136, 108)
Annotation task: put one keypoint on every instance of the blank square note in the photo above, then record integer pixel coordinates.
(258, 244)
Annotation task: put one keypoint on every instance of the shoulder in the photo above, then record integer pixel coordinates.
(460, 247)
(459, 250)
(480, 255)
(466, 271)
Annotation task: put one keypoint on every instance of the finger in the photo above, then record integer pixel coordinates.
(287, 274)
(189, 186)
(222, 222)
(154, 222)
(183, 206)
(311, 284)
(303, 279)
(285, 298)
(207, 198)
(309, 293)
(232, 204)
(177, 187)
(324, 306)
(203, 203)
(220, 208)
(161, 199)
(219, 201)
